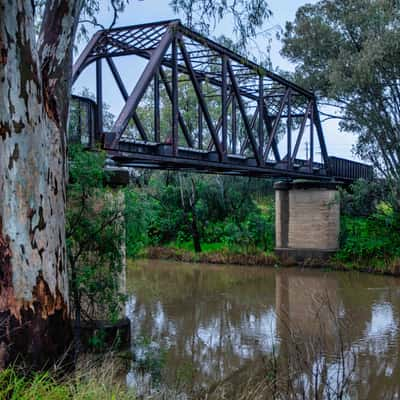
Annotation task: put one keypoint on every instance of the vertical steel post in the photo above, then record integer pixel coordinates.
(234, 126)
(321, 139)
(289, 130)
(90, 125)
(200, 125)
(311, 138)
(224, 89)
(261, 117)
(99, 99)
(157, 108)
(80, 121)
(175, 120)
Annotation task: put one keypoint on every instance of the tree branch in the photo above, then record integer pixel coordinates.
(55, 44)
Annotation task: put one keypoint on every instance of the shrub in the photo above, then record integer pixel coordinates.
(372, 237)
(362, 198)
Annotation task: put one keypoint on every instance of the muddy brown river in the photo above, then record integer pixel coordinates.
(303, 333)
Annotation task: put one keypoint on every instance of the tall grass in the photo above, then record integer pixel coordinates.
(88, 382)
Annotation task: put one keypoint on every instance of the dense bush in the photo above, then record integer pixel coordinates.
(138, 218)
(362, 197)
(376, 236)
(370, 229)
(178, 209)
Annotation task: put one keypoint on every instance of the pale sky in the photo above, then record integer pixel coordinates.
(338, 143)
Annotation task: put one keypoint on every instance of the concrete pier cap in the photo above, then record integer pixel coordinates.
(307, 220)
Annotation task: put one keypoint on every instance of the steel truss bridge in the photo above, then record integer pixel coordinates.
(199, 106)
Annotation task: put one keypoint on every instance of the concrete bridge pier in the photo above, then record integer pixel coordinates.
(307, 221)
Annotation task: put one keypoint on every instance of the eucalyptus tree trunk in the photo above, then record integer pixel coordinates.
(34, 91)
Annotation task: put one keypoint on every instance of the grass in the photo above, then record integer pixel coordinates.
(39, 386)
(210, 256)
(374, 265)
(86, 383)
(205, 247)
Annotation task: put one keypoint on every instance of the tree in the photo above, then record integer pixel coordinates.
(348, 52)
(96, 240)
(36, 43)
(34, 89)
(204, 15)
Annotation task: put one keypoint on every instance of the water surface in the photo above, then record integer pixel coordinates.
(212, 321)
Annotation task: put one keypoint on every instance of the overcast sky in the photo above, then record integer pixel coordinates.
(338, 143)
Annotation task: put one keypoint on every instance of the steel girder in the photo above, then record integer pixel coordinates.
(249, 120)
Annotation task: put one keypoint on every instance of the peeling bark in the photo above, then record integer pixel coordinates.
(34, 93)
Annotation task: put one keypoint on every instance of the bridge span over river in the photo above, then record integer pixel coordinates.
(199, 106)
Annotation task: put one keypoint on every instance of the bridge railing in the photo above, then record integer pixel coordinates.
(82, 129)
(82, 121)
(349, 170)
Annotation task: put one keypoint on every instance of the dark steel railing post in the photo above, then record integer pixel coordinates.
(80, 121)
(224, 99)
(311, 138)
(289, 130)
(175, 110)
(261, 117)
(91, 112)
(234, 126)
(321, 138)
(200, 123)
(157, 128)
(99, 99)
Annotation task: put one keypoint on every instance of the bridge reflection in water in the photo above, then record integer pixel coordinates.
(217, 322)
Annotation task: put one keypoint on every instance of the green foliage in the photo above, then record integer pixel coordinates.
(203, 15)
(42, 386)
(362, 197)
(370, 225)
(138, 217)
(98, 340)
(223, 210)
(206, 247)
(376, 237)
(348, 51)
(95, 235)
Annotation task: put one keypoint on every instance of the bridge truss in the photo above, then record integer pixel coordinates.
(199, 106)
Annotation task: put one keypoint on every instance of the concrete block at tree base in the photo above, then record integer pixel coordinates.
(307, 220)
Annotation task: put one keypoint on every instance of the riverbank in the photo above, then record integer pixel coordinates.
(377, 267)
(222, 256)
(258, 258)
